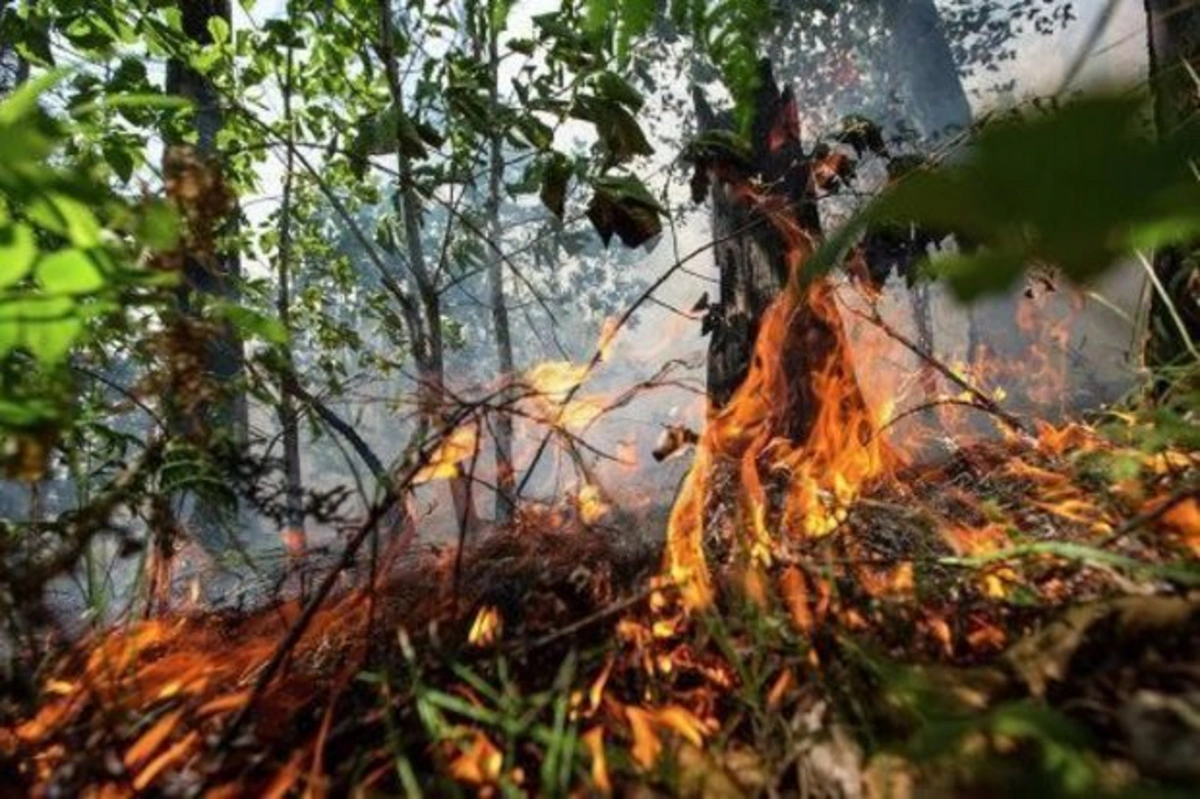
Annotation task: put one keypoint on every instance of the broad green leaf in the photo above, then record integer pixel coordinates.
(534, 131)
(49, 340)
(1076, 189)
(620, 134)
(499, 14)
(218, 28)
(18, 251)
(69, 272)
(46, 326)
(250, 322)
(66, 216)
(613, 87)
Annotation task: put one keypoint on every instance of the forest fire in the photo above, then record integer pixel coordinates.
(887, 567)
(171, 685)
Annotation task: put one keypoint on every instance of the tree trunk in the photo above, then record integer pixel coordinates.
(225, 417)
(1173, 39)
(780, 378)
(752, 257)
(923, 67)
(293, 534)
(503, 426)
(426, 326)
(926, 78)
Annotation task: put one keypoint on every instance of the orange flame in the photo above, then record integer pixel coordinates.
(824, 472)
(443, 464)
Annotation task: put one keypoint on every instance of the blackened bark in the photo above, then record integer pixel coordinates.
(752, 258)
(1173, 39)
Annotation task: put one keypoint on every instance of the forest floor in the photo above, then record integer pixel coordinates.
(1024, 616)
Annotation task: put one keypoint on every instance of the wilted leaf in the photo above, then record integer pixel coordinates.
(623, 206)
(556, 174)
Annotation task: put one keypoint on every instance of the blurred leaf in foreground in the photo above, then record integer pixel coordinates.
(1077, 189)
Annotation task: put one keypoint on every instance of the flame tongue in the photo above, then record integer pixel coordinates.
(808, 437)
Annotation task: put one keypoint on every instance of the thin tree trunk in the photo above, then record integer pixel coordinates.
(293, 534)
(1173, 40)
(428, 349)
(503, 427)
(225, 418)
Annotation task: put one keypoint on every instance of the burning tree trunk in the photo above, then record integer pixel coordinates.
(789, 435)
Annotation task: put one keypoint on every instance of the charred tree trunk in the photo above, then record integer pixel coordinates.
(753, 260)
(1173, 39)
(780, 377)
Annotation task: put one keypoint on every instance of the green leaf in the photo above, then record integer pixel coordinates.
(499, 14)
(46, 326)
(1075, 189)
(252, 323)
(218, 28)
(534, 131)
(620, 134)
(49, 340)
(66, 216)
(120, 159)
(69, 272)
(23, 101)
(522, 46)
(18, 251)
(612, 86)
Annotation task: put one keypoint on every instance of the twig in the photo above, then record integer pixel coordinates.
(575, 626)
(394, 490)
(1189, 491)
(622, 320)
(984, 401)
